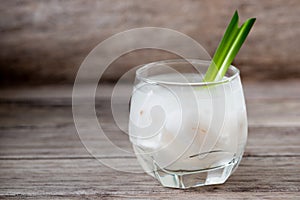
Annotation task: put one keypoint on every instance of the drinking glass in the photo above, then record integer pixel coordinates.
(186, 132)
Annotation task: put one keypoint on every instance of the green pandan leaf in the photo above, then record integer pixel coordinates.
(229, 46)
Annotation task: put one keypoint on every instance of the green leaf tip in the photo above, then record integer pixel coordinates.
(229, 46)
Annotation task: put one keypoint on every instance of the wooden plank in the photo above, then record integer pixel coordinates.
(77, 177)
(155, 195)
(55, 142)
(277, 113)
(274, 113)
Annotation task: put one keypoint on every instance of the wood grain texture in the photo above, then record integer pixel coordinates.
(41, 156)
(184, 196)
(46, 41)
(88, 176)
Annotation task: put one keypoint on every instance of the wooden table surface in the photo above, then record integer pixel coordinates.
(41, 156)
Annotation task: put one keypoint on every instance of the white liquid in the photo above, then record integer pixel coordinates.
(187, 128)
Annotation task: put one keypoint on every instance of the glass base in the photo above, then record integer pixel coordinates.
(188, 179)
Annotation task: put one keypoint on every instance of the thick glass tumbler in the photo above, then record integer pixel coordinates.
(186, 132)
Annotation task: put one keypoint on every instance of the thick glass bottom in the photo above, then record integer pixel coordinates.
(189, 179)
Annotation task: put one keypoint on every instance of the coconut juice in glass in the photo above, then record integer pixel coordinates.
(185, 132)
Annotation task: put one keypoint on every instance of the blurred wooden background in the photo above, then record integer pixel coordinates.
(45, 41)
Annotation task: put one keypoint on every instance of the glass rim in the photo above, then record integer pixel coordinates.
(143, 67)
